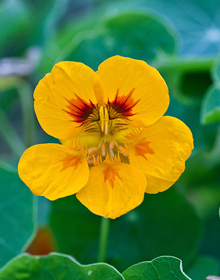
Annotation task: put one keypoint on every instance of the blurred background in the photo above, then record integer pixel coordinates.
(182, 40)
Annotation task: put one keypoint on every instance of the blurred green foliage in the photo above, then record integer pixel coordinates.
(63, 267)
(17, 216)
(132, 229)
(182, 40)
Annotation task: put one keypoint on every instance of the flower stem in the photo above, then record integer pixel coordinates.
(26, 99)
(185, 64)
(6, 129)
(104, 229)
(10, 135)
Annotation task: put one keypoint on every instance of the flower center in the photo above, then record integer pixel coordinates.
(108, 122)
(107, 144)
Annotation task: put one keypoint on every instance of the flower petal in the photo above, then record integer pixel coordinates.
(53, 170)
(160, 151)
(134, 89)
(113, 189)
(65, 98)
(84, 139)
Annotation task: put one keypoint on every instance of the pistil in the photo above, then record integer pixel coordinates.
(104, 120)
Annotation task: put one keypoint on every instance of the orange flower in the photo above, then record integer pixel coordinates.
(116, 144)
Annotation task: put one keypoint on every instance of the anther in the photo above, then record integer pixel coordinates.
(122, 150)
(90, 160)
(93, 150)
(111, 144)
(103, 149)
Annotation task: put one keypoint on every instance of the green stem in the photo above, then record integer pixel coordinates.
(185, 64)
(26, 99)
(10, 136)
(25, 94)
(104, 229)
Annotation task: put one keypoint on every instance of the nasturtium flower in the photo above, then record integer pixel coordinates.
(116, 143)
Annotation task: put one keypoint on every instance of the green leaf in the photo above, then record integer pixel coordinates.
(76, 229)
(46, 14)
(216, 71)
(210, 108)
(58, 267)
(196, 20)
(210, 245)
(187, 108)
(161, 268)
(14, 25)
(137, 34)
(147, 38)
(164, 223)
(17, 211)
(203, 267)
(205, 197)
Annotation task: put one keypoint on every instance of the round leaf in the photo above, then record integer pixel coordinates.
(196, 20)
(164, 223)
(161, 268)
(137, 34)
(56, 267)
(203, 267)
(76, 229)
(210, 108)
(16, 215)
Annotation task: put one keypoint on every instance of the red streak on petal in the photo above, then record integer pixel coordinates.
(70, 161)
(110, 175)
(142, 148)
(80, 110)
(123, 105)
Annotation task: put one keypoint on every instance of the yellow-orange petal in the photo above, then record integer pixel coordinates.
(65, 98)
(84, 139)
(53, 170)
(113, 189)
(160, 151)
(135, 88)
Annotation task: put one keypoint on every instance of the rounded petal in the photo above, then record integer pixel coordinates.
(53, 170)
(84, 139)
(65, 98)
(160, 151)
(113, 189)
(134, 89)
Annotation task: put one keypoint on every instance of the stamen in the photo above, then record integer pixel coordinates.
(103, 149)
(111, 144)
(111, 152)
(122, 150)
(93, 150)
(126, 155)
(97, 160)
(90, 160)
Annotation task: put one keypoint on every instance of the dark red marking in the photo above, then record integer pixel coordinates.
(82, 111)
(122, 106)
